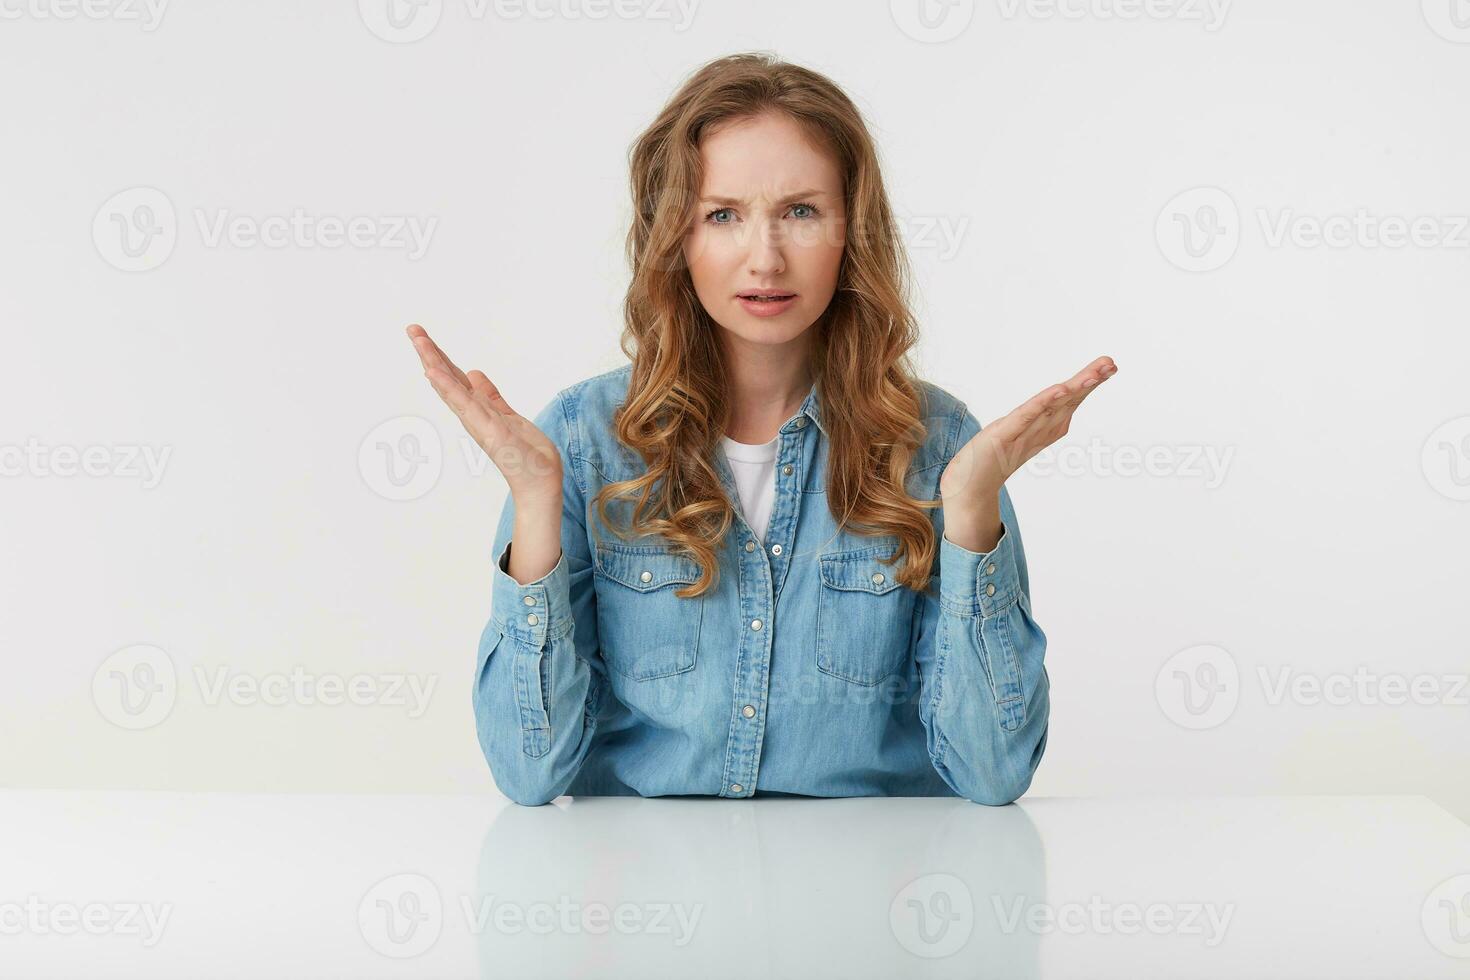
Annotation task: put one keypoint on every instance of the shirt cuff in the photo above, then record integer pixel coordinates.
(975, 584)
(535, 612)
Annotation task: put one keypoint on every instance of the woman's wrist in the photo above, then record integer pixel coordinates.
(974, 524)
(535, 539)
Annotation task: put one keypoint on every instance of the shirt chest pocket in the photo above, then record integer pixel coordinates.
(645, 630)
(864, 617)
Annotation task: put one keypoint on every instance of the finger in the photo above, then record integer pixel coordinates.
(480, 423)
(433, 356)
(486, 389)
(1084, 382)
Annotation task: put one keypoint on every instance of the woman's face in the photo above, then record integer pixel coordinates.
(769, 218)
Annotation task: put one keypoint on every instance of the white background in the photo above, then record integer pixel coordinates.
(1037, 155)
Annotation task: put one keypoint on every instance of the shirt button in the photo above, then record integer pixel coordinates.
(532, 620)
(775, 549)
(736, 788)
(646, 577)
(800, 422)
(786, 469)
(748, 711)
(990, 569)
(529, 600)
(750, 546)
(877, 578)
(755, 624)
(990, 589)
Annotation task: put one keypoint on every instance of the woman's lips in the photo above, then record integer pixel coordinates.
(767, 307)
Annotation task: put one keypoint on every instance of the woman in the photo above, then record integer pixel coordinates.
(708, 595)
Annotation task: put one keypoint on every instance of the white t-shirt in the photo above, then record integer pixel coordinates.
(755, 477)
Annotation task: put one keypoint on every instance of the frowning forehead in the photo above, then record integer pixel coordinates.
(780, 198)
(767, 159)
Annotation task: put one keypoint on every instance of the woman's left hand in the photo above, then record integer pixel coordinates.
(970, 484)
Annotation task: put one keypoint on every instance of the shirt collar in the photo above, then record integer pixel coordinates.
(811, 407)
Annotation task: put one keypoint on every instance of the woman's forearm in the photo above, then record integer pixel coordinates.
(974, 526)
(536, 539)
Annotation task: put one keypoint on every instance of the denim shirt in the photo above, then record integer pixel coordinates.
(807, 671)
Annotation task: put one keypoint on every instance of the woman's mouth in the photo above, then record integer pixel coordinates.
(766, 303)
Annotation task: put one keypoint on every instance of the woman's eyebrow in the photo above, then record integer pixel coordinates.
(719, 199)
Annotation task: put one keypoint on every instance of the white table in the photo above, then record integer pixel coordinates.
(111, 884)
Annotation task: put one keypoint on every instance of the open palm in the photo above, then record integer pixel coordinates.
(527, 459)
(984, 463)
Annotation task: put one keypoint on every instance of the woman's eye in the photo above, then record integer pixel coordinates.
(808, 207)
(715, 212)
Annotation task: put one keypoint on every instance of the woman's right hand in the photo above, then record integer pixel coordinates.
(527, 459)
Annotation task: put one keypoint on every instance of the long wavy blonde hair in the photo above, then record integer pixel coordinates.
(677, 406)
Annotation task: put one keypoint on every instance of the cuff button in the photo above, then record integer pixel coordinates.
(531, 620)
(989, 590)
